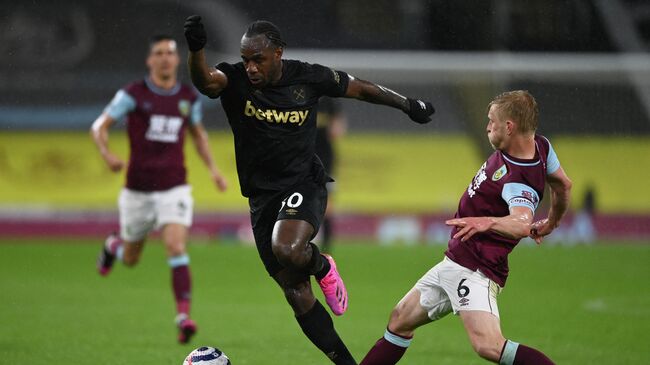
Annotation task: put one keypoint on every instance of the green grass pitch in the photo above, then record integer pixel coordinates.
(580, 305)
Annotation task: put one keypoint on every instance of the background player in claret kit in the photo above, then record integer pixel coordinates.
(494, 213)
(332, 124)
(271, 106)
(158, 110)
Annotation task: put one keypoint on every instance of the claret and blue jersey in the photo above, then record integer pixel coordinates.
(155, 120)
(502, 182)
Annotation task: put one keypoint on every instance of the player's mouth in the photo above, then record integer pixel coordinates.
(255, 80)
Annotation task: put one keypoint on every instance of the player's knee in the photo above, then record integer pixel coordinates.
(487, 350)
(175, 248)
(130, 261)
(288, 253)
(398, 323)
(282, 252)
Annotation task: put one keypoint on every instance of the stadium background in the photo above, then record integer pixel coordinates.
(586, 61)
(66, 60)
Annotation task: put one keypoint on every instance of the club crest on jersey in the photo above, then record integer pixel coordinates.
(501, 172)
(299, 94)
(184, 107)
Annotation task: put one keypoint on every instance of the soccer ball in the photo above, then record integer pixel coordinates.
(207, 356)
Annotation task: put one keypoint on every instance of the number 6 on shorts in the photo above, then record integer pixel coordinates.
(462, 290)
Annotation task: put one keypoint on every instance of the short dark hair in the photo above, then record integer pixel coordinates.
(268, 29)
(159, 37)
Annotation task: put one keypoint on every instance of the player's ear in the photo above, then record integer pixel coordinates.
(510, 127)
(278, 52)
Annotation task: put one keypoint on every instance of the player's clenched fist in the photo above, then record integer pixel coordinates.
(420, 111)
(114, 163)
(195, 33)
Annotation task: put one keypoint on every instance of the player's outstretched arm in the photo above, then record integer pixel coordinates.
(419, 111)
(560, 185)
(99, 134)
(516, 225)
(208, 80)
(200, 138)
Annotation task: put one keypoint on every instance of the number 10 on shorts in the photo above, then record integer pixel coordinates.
(293, 201)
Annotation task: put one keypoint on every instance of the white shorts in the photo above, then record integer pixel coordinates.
(142, 212)
(449, 287)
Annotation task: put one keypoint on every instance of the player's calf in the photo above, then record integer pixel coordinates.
(181, 282)
(317, 325)
(388, 350)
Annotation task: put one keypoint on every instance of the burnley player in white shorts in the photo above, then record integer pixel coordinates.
(494, 213)
(158, 110)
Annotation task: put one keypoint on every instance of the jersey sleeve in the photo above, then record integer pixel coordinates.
(121, 105)
(196, 117)
(520, 195)
(330, 82)
(552, 162)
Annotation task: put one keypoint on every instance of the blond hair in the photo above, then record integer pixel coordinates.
(520, 107)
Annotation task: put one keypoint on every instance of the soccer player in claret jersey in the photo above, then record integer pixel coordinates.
(271, 104)
(158, 110)
(494, 213)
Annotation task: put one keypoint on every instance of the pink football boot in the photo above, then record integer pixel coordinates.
(332, 285)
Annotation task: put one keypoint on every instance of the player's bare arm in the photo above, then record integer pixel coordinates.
(560, 186)
(377, 94)
(200, 138)
(419, 111)
(99, 133)
(208, 80)
(516, 225)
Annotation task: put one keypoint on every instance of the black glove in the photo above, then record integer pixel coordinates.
(420, 111)
(195, 33)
